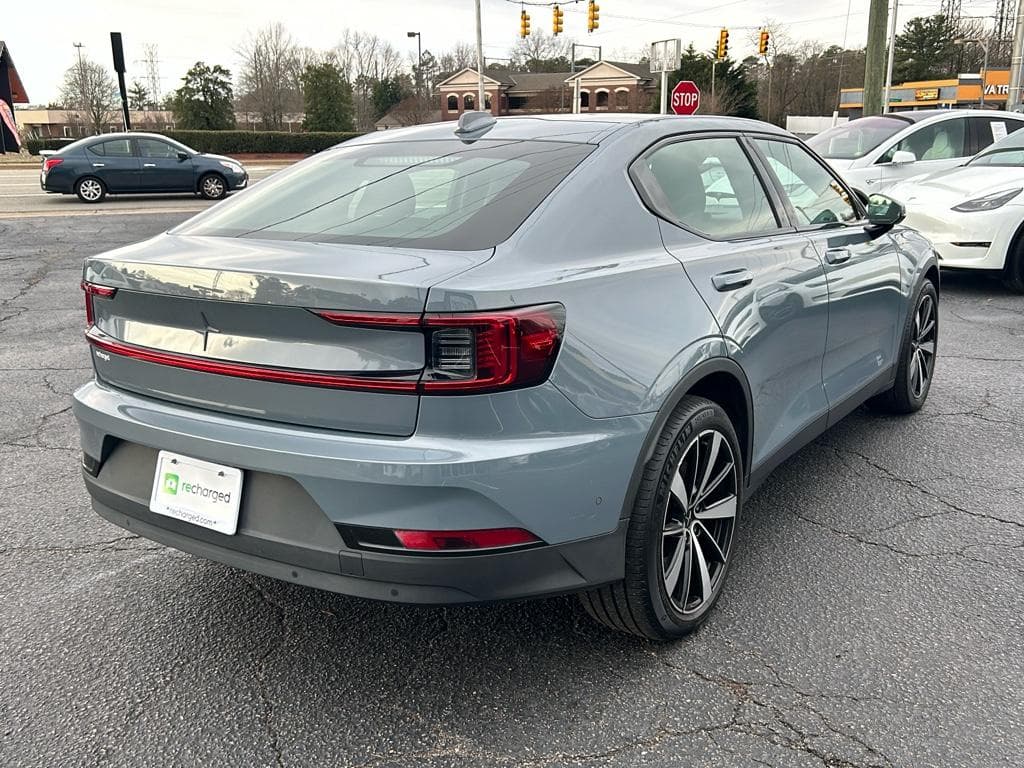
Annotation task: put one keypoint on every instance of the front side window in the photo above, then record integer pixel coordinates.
(816, 196)
(416, 194)
(727, 200)
(943, 140)
(154, 148)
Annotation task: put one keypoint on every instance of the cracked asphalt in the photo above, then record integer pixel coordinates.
(872, 618)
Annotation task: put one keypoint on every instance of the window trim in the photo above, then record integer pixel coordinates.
(791, 213)
(641, 177)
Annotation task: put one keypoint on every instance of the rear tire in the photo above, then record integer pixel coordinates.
(90, 190)
(681, 530)
(213, 186)
(917, 356)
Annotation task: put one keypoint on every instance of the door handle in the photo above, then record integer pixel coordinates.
(98, 165)
(733, 279)
(837, 255)
(149, 165)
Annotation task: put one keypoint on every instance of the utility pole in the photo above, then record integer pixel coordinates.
(892, 56)
(1013, 96)
(479, 59)
(874, 59)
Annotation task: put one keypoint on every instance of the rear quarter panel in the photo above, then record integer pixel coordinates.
(634, 322)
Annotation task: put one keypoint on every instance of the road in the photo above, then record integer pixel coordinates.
(21, 196)
(873, 616)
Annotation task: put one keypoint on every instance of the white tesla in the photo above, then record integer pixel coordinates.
(974, 213)
(874, 153)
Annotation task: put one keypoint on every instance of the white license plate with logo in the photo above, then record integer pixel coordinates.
(197, 492)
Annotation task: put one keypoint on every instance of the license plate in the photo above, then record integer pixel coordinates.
(197, 492)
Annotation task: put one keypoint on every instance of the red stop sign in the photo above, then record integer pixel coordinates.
(685, 97)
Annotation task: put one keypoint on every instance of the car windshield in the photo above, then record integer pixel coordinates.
(856, 138)
(1008, 151)
(446, 194)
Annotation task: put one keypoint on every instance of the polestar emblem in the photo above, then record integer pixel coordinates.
(207, 330)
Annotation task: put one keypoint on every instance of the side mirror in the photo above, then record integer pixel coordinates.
(863, 196)
(182, 156)
(903, 157)
(884, 213)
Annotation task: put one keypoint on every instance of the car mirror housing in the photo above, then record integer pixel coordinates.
(903, 157)
(182, 156)
(884, 213)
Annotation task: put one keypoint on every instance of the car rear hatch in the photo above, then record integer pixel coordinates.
(318, 334)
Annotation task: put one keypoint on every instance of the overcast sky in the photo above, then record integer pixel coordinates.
(41, 37)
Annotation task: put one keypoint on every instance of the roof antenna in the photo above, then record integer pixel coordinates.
(475, 122)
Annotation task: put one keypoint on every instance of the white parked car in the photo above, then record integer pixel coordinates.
(974, 213)
(874, 153)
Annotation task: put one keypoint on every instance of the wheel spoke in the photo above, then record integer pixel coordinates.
(915, 373)
(720, 510)
(927, 347)
(926, 331)
(923, 365)
(673, 528)
(702, 566)
(675, 567)
(678, 490)
(716, 445)
(717, 481)
(714, 549)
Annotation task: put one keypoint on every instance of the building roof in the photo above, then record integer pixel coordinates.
(537, 81)
(18, 95)
(533, 82)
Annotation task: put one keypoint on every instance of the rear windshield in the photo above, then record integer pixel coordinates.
(856, 138)
(449, 195)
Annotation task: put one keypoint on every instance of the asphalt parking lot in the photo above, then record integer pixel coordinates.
(873, 616)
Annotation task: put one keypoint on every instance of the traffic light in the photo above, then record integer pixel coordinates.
(524, 24)
(557, 16)
(762, 46)
(593, 16)
(723, 44)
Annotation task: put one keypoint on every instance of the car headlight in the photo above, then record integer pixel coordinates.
(236, 168)
(988, 202)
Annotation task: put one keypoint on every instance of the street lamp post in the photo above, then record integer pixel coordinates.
(419, 61)
(984, 64)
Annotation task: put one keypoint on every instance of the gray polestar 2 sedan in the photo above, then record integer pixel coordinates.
(500, 358)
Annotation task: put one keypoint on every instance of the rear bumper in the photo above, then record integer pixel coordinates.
(301, 484)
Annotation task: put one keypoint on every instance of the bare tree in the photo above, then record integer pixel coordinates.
(529, 53)
(415, 110)
(269, 75)
(89, 95)
(366, 60)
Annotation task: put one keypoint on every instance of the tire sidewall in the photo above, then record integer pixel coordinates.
(78, 188)
(709, 416)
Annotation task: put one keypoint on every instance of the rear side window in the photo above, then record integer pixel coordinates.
(113, 148)
(448, 195)
(988, 130)
(708, 186)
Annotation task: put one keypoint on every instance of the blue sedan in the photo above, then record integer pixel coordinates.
(138, 163)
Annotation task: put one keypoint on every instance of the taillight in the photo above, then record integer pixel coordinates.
(51, 162)
(492, 350)
(91, 291)
(448, 541)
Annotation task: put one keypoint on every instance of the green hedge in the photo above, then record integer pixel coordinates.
(259, 142)
(233, 142)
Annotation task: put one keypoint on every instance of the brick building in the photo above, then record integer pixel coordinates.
(605, 86)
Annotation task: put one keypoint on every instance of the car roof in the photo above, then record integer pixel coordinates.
(919, 115)
(591, 128)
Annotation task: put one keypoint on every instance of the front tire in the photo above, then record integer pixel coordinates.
(917, 356)
(681, 530)
(1013, 271)
(90, 190)
(213, 186)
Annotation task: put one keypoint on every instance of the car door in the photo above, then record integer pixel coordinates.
(936, 146)
(115, 164)
(162, 169)
(862, 271)
(763, 281)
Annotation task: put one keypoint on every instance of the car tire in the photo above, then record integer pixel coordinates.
(212, 186)
(917, 356)
(682, 528)
(1013, 271)
(90, 190)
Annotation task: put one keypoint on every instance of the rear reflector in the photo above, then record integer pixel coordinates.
(443, 541)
